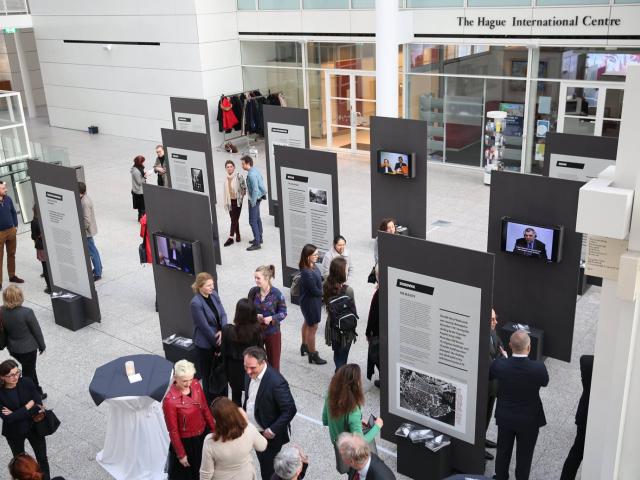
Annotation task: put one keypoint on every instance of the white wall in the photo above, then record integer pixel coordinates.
(125, 91)
(33, 63)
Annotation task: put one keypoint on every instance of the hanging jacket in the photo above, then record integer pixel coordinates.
(219, 116)
(237, 105)
(229, 119)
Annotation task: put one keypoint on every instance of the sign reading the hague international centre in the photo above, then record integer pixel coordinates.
(433, 340)
(554, 21)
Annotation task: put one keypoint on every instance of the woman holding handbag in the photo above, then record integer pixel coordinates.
(20, 401)
(342, 410)
(235, 188)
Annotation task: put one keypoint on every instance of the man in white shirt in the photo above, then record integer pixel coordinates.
(269, 405)
(365, 465)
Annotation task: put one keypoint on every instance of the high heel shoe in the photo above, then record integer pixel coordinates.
(304, 349)
(314, 357)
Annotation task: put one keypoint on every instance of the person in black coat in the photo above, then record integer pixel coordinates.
(310, 302)
(496, 350)
(373, 335)
(572, 463)
(363, 464)
(269, 405)
(36, 236)
(19, 402)
(519, 413)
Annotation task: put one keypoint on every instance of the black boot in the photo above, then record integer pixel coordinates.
(304, 349)
(314, 357)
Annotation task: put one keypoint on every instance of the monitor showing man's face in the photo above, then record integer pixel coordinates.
(529, 235)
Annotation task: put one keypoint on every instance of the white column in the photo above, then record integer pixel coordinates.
(387, 25)
(612, 442)
(26, 77)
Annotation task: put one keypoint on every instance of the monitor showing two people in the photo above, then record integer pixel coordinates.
(400, 164)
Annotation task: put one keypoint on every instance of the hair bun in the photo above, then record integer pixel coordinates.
(272, 268)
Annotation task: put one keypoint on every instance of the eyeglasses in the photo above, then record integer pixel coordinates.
(13, 374)
(315, 254)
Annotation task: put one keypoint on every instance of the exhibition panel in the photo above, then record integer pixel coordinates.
(190, 115)
(309, 209)
(399, 173)
(190, 168)
(282, 126)
(532, 232)
(578, 157)
(435, 307)
(181, 235)
(65, 243)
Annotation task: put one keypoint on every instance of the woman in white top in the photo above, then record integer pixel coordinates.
(339, 249)
(226, 454)
(235, 188)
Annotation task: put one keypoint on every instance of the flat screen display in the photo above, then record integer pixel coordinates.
(177, 254)
(532, 240)
(397, 164)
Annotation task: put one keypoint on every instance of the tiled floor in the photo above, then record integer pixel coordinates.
(130, 324)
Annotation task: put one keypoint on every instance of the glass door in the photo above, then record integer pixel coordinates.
(593, 109)
(350, 104)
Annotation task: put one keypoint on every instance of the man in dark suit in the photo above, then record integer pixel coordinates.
(269, 405)
(364, 464)
(519, 414)
(529, 246)
(572, 463)
(496, 350)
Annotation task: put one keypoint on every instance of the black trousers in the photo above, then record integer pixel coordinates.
(28, 363)
(490, 404)
(204, 357)
(234, 213)
(39, 446)
(235, 375)
(45, 273)
(526, 444)
(266, 458)
(574, 459)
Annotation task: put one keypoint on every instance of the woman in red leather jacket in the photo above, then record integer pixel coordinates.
(188, 420)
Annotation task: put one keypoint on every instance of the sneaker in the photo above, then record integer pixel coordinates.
(255, 246)
(16, 279)
(96, 278)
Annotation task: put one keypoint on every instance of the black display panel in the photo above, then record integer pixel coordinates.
(177, 254)
(531, 240)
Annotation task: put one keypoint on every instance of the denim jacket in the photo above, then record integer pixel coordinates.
(255, 186)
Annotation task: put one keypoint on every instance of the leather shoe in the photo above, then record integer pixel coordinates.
(376, 383)
(16, 279)
(254, 246)
(488, 456)
(228, 242)
(490, 443)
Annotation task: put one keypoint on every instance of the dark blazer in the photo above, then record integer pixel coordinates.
(22, 330)
(377, 470)
(204, 320)
(519, 380)
(541, 248)
(18, 423)
(274, 406)
(586, 370)
(494, 353)
(311, 294)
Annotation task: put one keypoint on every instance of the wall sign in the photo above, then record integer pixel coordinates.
(282, 134)
(554, 21)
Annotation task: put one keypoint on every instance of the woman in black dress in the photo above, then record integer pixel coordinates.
(245, 332)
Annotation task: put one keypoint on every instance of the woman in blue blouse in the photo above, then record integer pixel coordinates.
(271, 308)
(310, 301)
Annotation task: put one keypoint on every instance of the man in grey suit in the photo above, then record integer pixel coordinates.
(364, 464)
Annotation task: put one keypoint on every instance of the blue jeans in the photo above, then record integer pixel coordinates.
(255, 221)
(95, 257)
(340, 356)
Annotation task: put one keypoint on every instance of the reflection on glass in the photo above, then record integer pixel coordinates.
(498, 3)
(340, 112)
(364, 111)
(363, 4)
(246, 4)
(579, 126)
(352, 56)
(546, 119)
(279, 4)
(321, 4)
(278, 54)
(277, 80)
(341, 137)
(594, 63)
(317, 107)
(613, 103)
(581, 101)
(463, 119)
(611, 128)
(341, 86)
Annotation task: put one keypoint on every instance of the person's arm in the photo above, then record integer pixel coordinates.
(309, 282)
(23, 413)
(207, 465)
(280, 309)
(350, 268)
(34, 328)
(325, 413)
(375, 251)
(351, 295)
(86, 215)
(324, 266)
(221, 310)
(157, 166)
(171, 419)
(200, 322)
(14, 214)
(259, 441)
(545, 376)
(493, 370)
(286, 406)
(373, 315)
(354, 423)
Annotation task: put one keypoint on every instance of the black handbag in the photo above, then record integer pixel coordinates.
(47, 425)
(372, 276)
(142, 252)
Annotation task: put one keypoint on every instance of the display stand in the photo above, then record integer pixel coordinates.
(418, 462)
(493, 144)
(69, 312)
(535, 334)
(174, 353)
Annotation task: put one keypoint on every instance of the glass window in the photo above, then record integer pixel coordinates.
(276, 80)
(246, 4)
(586, 63)
(542, 3)
(468, 59)
(546, 120)
(621, 2)
(322, 4)
(351, 56)
(364, 4)
(497, 3)
(279, 4)
(271, 53)
(434, 3)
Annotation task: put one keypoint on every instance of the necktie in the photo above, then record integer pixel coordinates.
(356, 476)
(530, 248)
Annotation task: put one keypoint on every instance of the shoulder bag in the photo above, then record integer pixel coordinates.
(45, 423)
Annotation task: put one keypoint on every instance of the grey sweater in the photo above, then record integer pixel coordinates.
(22, 330)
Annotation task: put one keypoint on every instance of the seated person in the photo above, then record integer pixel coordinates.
(529, 246)
(385, 167)
(401, 167)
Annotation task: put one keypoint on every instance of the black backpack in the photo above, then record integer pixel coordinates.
(342, 312)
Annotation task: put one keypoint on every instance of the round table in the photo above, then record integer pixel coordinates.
(137, 442)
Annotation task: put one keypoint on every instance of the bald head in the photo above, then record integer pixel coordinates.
(520, 342)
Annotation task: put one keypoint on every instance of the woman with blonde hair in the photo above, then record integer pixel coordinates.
(188, 421)
(226, 454)
(209, 317)
(22, 333)
(271, 308)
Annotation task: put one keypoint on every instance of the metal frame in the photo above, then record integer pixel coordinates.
(599, 118)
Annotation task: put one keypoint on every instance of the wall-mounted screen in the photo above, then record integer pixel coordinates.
(397, 164)
(177, 254)
(532, 240)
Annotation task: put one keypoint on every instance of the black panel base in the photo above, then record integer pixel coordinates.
(418, 462)
(174, 353)
(537, 340)
(583, 286)
(69, 313)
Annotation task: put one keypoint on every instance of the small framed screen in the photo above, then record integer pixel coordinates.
(532, 240)
(397, 164)
(177, 254)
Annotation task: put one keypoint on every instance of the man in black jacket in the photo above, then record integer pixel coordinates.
(269, 405)
(496, 350)
(519, 414)
(572, 463)
(530, 246)
(364, 464)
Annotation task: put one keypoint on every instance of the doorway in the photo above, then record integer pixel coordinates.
(593, 109)
(350, 102)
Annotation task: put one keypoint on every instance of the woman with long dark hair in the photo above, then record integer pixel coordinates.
(310, 301)
(36, 236)
(335, 286)
(138, 178)
(342, 410)
(245, 332)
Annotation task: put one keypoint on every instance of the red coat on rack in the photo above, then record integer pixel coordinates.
(229, 119)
